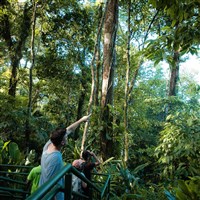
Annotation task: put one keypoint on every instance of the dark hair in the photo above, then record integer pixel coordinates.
(57, 135)
(85, 154)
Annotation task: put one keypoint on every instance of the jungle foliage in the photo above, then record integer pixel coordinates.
(155, 120)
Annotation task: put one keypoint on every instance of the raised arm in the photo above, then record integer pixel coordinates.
(73, 126)
(97, 161)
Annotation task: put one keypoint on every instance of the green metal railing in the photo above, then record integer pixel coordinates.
(15, 184)
(98, 190)
(13, 181)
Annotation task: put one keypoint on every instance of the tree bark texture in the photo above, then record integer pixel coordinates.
(95, 73)
(173, 87)
(126, 143)
(16, 47)
(101, 18)
(110, 29)
(83, 91)
(29, 107)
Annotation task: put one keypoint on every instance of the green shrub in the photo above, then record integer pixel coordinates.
(189, 189)
(178, 151)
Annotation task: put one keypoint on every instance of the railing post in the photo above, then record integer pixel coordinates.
(108, 190)
(90, 193)
(68, 186)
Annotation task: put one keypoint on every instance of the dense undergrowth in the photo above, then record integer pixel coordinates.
(163, 159)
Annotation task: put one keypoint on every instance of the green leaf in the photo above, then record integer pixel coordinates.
(169, 195)
(108, 136)
(14, 152)
(153, 2)
(5, 146)
(183, 187)
(180, 195)
(156, 62)
(174, 23)
(190, 122)
(141, 167)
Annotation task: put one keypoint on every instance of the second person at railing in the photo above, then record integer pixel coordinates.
(90, 161)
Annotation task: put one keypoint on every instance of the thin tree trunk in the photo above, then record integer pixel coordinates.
(83, 90)
(130, 84)
(127, 86)
(173, 87)
(97, 80)
(14, 56)
(16, 50)
(29, 108)
(93, 72)
(98, 57)
(13, 78)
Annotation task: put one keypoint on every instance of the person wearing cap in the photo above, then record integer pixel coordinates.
(51, 161)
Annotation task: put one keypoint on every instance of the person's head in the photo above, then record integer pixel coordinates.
(86, 155)
(77, 164)
(57, 137)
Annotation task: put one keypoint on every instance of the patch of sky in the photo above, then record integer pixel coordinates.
(191, 67)
(76, 69)
(149, 71)
(22, 1)
(87, 2)
(25, 64)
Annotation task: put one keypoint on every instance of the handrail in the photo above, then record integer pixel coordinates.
(15, 173)
(79, 175)
(51, 188)
(105, 186)
(16, 166)
(13, 190)
(11, 180)
(51, 194)
(10, 194)
(42, 191)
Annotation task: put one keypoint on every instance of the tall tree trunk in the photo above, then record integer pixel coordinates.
(127, 87)
(83, 89)
(97, 80)
(29, 108)
(98, 53)
(131, 83)
(16, 51)
(94, 73)
(14, 48)
(13, 78)
(173, 87)
(174, 76)
(110, 29)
